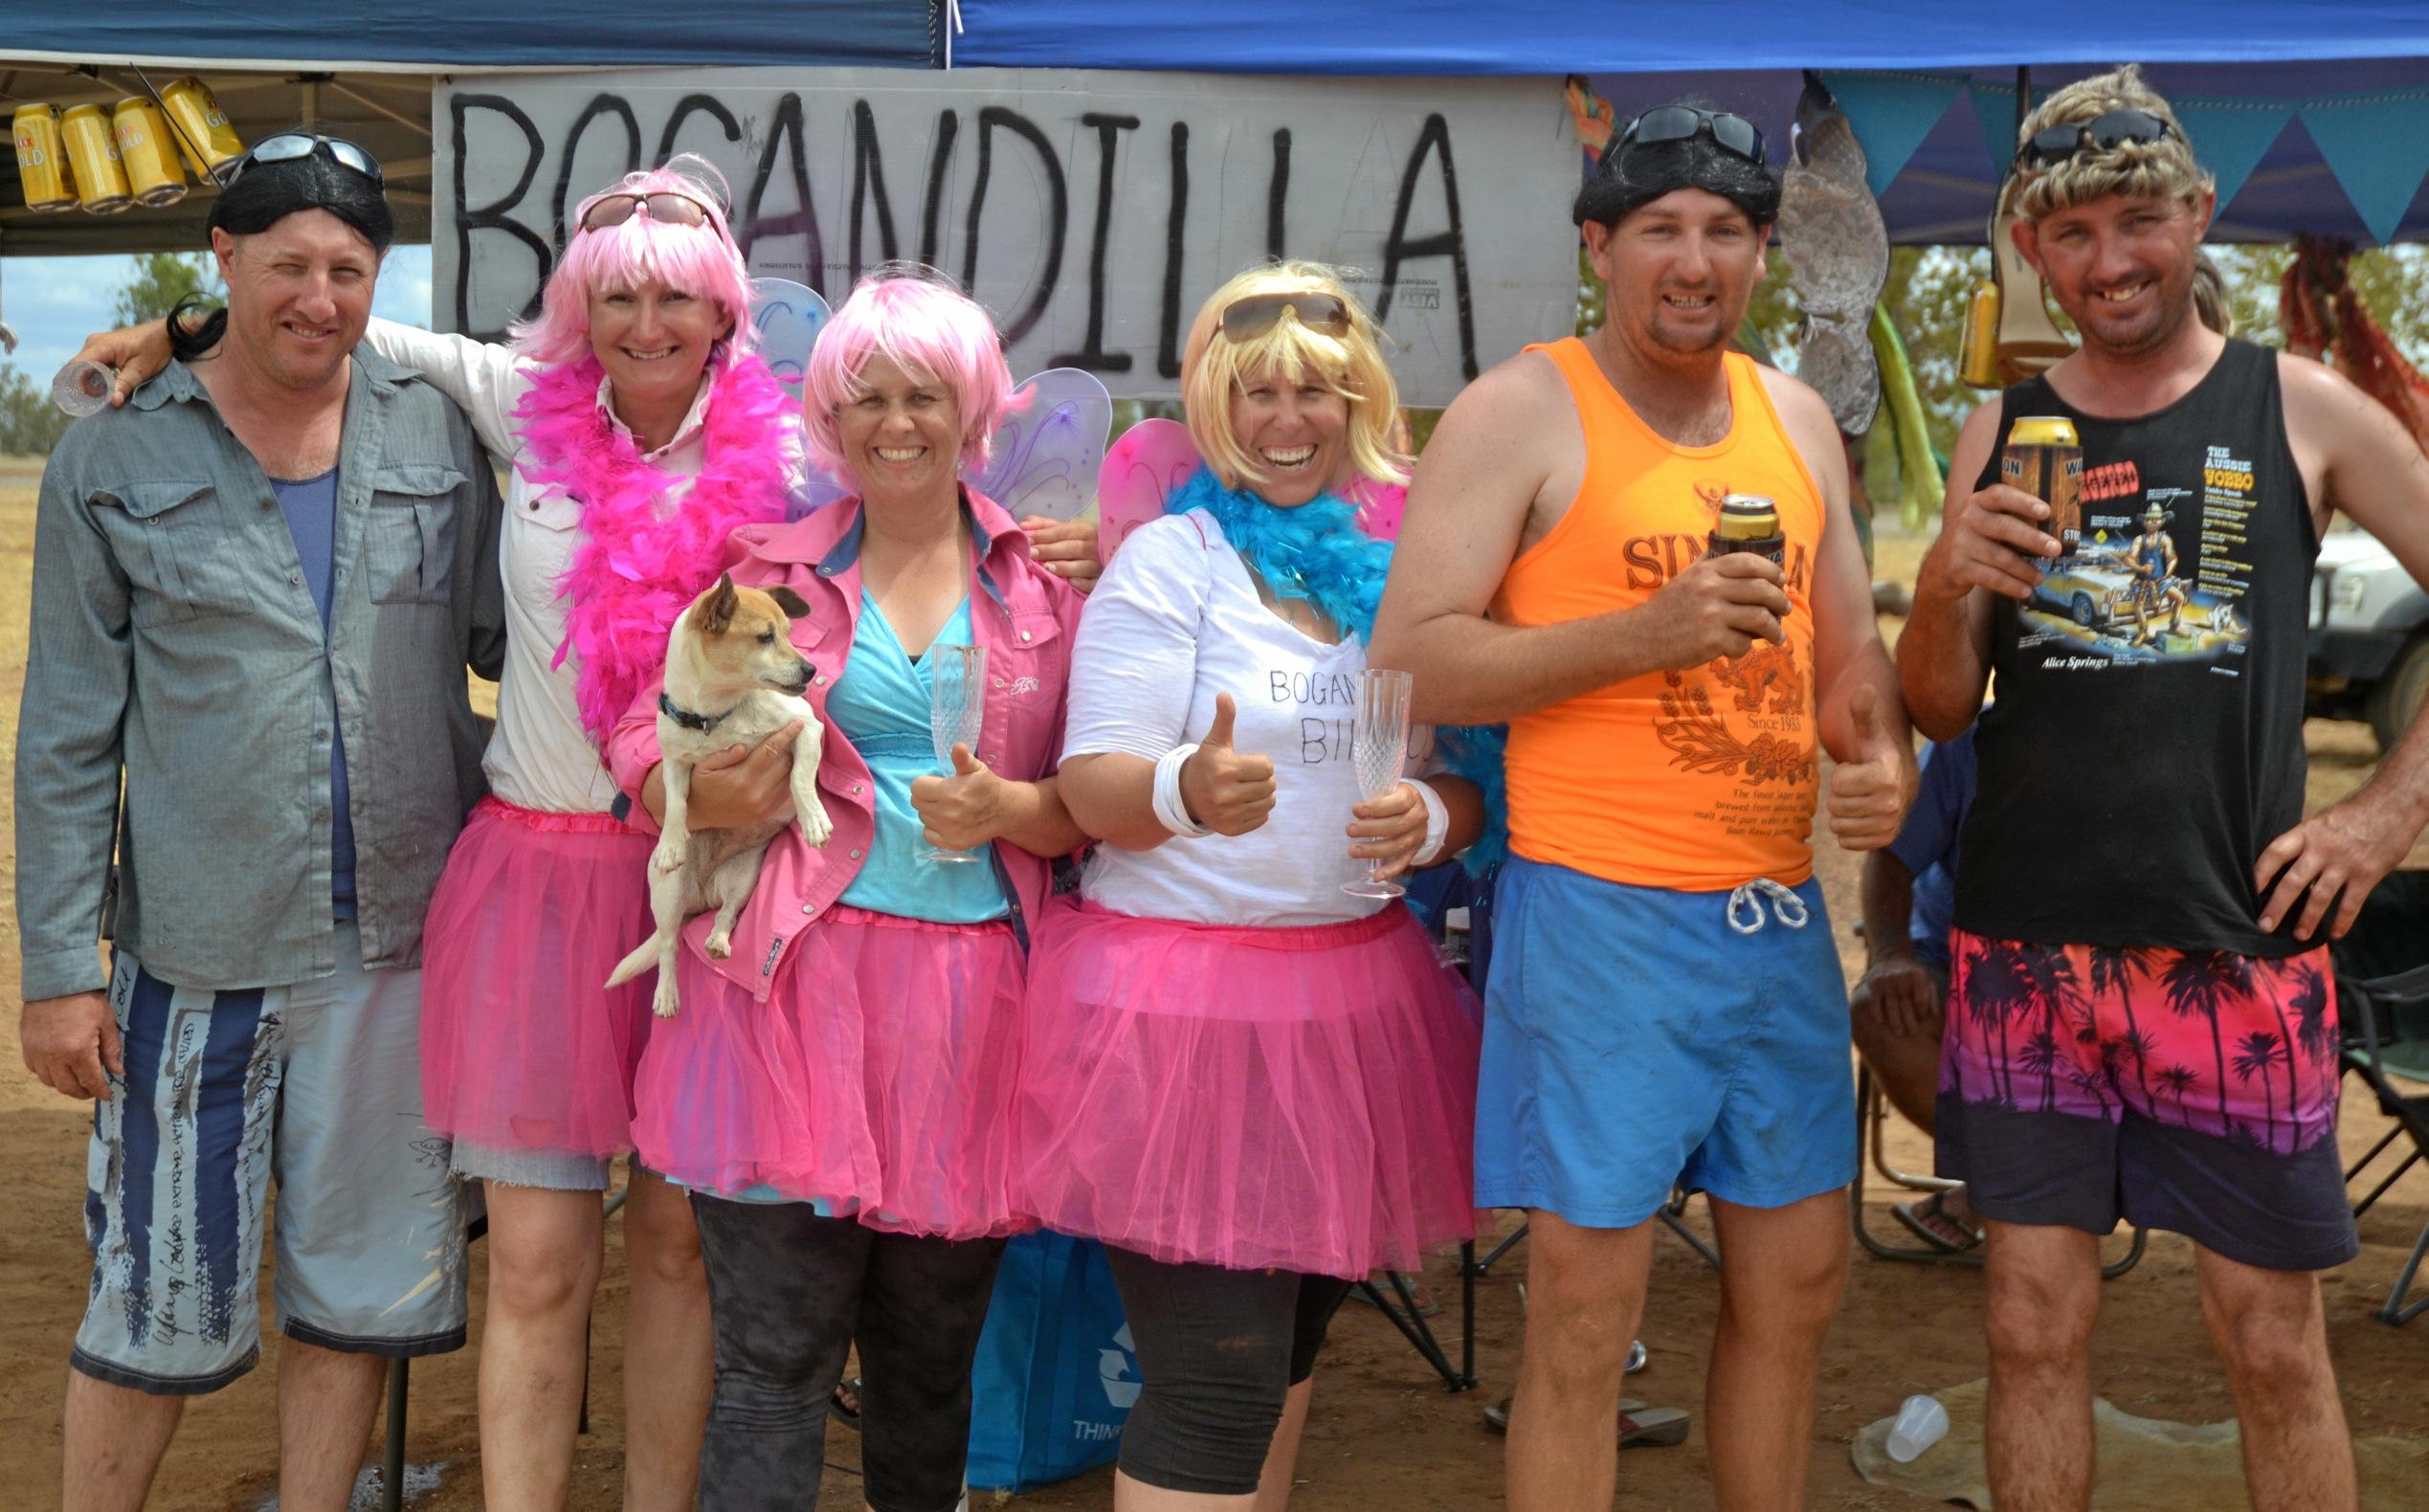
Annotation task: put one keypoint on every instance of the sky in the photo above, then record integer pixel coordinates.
(55, 302)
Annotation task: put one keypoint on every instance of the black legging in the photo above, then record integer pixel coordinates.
(1218, 1350)
(787, 1293)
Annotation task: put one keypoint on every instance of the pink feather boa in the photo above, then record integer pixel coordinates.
(639, 568)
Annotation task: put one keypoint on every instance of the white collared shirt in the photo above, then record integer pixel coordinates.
(540, 757)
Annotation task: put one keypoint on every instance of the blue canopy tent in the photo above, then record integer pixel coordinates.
(2314, 112)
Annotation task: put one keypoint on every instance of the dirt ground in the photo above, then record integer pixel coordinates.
(1383, 1434)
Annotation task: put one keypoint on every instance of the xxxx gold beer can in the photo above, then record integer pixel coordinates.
(2046, 459)
(101, 178)
(41, 162)
(200, 127)
(1748, 522)
(153, 171)
(1978, 363)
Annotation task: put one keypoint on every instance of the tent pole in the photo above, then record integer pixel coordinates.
(2023, 98)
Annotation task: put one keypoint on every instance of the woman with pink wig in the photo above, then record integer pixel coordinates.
(837, 1091)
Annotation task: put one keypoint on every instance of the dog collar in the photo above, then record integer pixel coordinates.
(686, 718)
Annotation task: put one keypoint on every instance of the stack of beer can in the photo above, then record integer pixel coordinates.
(136, 152)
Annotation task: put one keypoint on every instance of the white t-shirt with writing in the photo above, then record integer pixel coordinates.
(1174, 621)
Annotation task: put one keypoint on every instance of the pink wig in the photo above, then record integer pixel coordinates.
(700, 261)
(926, 327)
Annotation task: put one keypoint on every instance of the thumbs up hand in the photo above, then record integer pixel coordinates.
(1224, 790)
(967, 808)
(1868, 795)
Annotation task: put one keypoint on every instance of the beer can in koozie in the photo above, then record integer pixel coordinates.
(200, 127)
(1748, 522)
(153, 173)
(2046, 459)
(41, 161)
(101, 178)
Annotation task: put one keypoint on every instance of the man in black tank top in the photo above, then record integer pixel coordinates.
(2141, 1018)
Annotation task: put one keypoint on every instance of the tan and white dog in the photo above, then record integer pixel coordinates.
(732, 678)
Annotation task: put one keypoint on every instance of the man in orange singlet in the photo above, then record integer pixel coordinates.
(1665, 1004)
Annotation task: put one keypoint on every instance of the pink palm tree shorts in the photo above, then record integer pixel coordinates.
(2188, 1090)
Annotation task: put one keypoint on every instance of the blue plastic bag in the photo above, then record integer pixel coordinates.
(1055, 1375)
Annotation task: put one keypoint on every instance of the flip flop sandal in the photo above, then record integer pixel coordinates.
(1924, 1217)
(1653, 1427)
(1496, 1416)
(848, 1414)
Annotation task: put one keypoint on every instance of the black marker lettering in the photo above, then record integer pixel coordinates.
(1092, 354)
(599, 105)
(493, 215)
(1057, 213)
(1168, 340)
(1452, 242)
(804, 221)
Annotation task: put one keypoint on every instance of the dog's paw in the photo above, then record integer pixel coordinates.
(720, 944)
(816, 827)
(666, 860)
(666, 1003)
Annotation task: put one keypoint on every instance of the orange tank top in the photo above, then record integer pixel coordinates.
(1698, 780)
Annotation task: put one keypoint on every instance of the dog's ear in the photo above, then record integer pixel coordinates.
(720, 606)
(791, 602)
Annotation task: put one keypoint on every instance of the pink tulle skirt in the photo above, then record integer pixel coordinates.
(1300, 1098)
(877, 1079)
(523, 1049)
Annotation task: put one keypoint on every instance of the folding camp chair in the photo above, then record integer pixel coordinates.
(2382, 994)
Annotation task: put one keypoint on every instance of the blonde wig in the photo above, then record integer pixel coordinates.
(1215, 368)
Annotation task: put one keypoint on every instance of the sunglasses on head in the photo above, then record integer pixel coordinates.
(1682, 123)
(291, 146)
(1245, 319)
(2053, 143)
(664, 207)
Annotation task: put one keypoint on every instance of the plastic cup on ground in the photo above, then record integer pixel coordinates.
(81, 388)
(1922, 1422)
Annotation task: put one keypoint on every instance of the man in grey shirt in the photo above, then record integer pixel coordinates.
(256, 589)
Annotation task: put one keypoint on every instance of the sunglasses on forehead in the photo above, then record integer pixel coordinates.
(1682, 123)
(2054, 144)
(291, 146)
(1246, 320)
(664, 206)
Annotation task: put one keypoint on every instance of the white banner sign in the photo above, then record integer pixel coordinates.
(1090, 211)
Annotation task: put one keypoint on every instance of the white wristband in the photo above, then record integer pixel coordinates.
(1438, 824)
(1169, 811)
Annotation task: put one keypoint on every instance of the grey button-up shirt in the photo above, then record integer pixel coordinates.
(174, 641)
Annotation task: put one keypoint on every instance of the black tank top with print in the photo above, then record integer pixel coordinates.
(2146, 743)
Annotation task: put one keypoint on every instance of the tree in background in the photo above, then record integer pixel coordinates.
(158, 280)
(30, 423)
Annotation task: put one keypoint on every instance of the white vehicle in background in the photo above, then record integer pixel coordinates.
(2370, 635)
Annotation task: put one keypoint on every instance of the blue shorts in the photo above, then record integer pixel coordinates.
(1635, 1041)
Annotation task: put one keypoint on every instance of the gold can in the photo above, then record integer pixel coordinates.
(1978, 363)
(2044, 457)
(101, 178)
(41, 160)
(153, 175)
(201, 129)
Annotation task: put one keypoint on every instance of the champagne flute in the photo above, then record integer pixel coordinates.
(1378, 751)
(956, 708)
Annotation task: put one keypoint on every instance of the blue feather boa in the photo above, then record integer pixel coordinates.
(1317, 553)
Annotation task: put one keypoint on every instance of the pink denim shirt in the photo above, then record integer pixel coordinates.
(1023, 614)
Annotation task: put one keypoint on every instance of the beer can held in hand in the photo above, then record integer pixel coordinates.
(1748, 522)
(2045, 458)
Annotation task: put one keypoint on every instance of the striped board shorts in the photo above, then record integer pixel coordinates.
(316, 1086)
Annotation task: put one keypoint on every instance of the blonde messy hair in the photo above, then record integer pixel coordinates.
(1213, 369)
(2161, 170)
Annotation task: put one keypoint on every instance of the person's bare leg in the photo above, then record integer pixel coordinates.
(1782, 1271)
(1907, 1066)
(2041, 1298)
(1137, 1495)
(545, 1253)
(669, 1359)
(2272, 1336)
(326, 1402)
(1281, 1460)
(115, 1437)
(1585, 1294)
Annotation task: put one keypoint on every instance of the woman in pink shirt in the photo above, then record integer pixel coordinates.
(837, 1091)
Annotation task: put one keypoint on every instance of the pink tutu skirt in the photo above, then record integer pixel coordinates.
(877, 1079)
(523, 1049)
(1300, 1098)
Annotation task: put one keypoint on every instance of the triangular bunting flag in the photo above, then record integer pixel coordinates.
(2231, 136)
(1892, 113)
(2377, 147)
(1995, 106)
